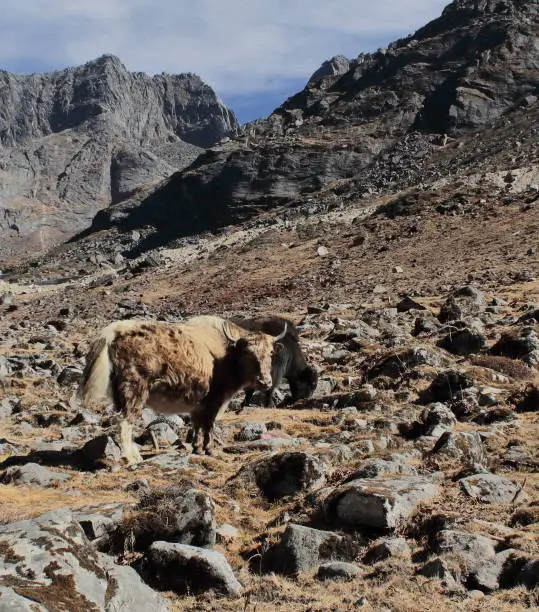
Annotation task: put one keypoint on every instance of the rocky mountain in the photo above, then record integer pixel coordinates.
(467, 69)
(75, 140)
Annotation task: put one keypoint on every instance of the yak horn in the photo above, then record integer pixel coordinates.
(283, 334)
(228, 336)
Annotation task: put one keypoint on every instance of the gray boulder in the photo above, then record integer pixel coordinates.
(391, 547)
(302, 548)
(438, 419)
(189, 570)
(285, 474)
(69, 376)
(490, 488)
(100, 452)
(338, 570)
(466, 446)
(383, 503)
(50, 563)
(464, 303)
(32, 474)
(251, 431)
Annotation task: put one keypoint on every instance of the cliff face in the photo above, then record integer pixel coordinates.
(360, 119)
(73, 141)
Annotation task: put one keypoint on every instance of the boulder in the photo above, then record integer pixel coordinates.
(175, 514)
(446, 385)
(32, 474)
(390, 547)
(466, 446)
(50, 564)
(382, 503)
(189, 570)
(69, 376)
(522, 344)
(302, 548)
(438, 419)
(338, 570)
(464, 303)
(463, 341)
(251, 431)
(100, 452)
(284, 474)
(490, 488)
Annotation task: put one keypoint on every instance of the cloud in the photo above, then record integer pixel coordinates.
(240, 47)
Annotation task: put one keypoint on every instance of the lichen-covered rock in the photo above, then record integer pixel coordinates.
(464, 303)
(466, 446)
(383, 503)
(390, 547)
(50, 564)
(284, 474)
(32, 474)
(302, 548)
(490, 488)
(188, 569)
(338, 570)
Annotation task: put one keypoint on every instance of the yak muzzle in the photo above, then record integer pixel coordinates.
(264, 383)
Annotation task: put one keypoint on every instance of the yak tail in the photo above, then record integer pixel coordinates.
(96, 377)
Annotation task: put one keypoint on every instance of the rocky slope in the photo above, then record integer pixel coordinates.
(73, 141)
(465, 70)
(409, 481)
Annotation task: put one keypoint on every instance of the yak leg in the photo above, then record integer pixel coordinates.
(247, 399)
(130, 395)
(154, 440)
(129, 449)
(195, 438)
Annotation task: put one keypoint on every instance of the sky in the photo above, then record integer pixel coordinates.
(254, 53)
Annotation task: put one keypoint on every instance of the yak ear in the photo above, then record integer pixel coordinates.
(277, 347)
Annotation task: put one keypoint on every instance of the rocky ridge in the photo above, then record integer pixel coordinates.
(376, 124)
(75, 140)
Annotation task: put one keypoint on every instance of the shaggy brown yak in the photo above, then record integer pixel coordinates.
(175, 368)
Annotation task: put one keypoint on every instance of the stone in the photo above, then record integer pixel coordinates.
(472, 549)
(466, 446)
(32, 474)
(99, 521)
(338, 570)
(388, 548)
(251, 431)
(463, 303)
(439, 568)
(490, 396)
(8, 406)
(226, 533)
(490, 489)
(529, 574)
(322, 251)
(397, 364)
(175, 514)
(438, 419)
(463, 342)
(100, 452)
(303, 548)
(409, 303)
(446, 385)
(189, 570)
(69, 376)
(522, 344)
(284, 474)
(163, 432)
(382, 503)
(378, 467)
(50, 563)
(488, 575)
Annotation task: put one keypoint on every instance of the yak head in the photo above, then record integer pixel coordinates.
(253, 356)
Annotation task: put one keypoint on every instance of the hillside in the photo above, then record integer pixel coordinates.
(392, 213)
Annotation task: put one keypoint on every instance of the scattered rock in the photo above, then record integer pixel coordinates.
(189, 570)
(382, 503)
(32, 474)
(438, 419)
(388, 548)
(338, 570)
(251, 431)
(302, 548)
(465, 446)
(447, 385)
(463, 342)
(522, 344)
(284, 474)
(69, 376)
(100, 452)
(465, 303)
(490, 488)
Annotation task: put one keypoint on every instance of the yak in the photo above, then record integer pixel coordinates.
(175, 368)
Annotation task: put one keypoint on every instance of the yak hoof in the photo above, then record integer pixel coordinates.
(197, 450)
